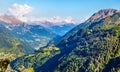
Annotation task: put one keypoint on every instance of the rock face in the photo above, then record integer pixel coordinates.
(9, 19)
(102, 14)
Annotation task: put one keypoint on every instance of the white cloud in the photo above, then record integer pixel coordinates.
(20, 11)
(55, 20)
(69, 19)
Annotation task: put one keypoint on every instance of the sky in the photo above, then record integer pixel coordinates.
(68, 10)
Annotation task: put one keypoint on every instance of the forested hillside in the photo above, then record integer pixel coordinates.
(94, 48)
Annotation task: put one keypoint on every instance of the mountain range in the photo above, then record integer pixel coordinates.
(34, 34)
(92, 46)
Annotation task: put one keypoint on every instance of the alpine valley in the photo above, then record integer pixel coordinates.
(19, 38)
(92, 46)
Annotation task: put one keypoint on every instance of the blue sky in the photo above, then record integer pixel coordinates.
(62, 8)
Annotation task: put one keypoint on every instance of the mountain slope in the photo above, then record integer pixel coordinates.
(36, 35)
(10, 44)
(11, 48)
(89, 49)
(34, 60)
(101, 14)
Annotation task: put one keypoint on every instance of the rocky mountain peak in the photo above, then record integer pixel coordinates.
(9, 19)
(102, 14)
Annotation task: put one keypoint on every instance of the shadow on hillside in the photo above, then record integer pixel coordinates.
(113, 63)
(53, 62)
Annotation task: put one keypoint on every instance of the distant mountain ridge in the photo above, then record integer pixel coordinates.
(59, 29)
(34, 34)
